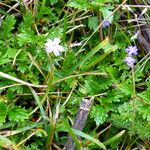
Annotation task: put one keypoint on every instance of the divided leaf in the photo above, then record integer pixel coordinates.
(95, 85)
(93, 23)
(7, 26)
(99, 113)
(17, 114)
(3, 111)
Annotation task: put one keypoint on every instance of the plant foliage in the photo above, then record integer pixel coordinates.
(39, 89)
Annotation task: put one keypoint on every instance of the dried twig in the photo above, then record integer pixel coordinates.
(80, 120)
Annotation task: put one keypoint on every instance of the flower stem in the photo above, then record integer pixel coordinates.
(133, 80)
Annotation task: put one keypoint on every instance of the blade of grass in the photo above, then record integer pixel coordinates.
(82, 74)
(40, 12)
(114, 138)
(71, 133)
(75, 27)
(7, 125)
(35, 63)
(27, 128)
(49, 82)
(89, 55)
(10, 132)
(39, 103)
(96, 61)
(27, 138)
(7, 144)
(88, 137)
(4, 75)
(65, 28)
(22, 142)
(52, 127)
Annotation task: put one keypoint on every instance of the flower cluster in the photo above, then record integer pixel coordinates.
(131, 50)
(105, 24)
(53, 46)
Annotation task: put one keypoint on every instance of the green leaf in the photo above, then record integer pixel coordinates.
(102, 1)
(89, 55)
(93, 23)
(3, 110)
(145, 96)
(24, 38)
(65, 28)
(70, 130)
(17, 114)
(95, 85)
(10, 52)
(112, 96)
(7, 54)
(22, 66)
(106, 11)
(7, 26)
(46, 11)
(126, 88)
(102, 56)
(145, 112)
(99, 113)
(7, 144)
(3, 12)
(69, 61)
(53, 2)
(88, 137)
(79, 4)
(114, 138)
(28, 127)
(26, 26)
(39, 103)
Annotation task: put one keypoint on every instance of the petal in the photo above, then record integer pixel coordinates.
(48, 49)
(49, 42)
(132, 50)
(135, 47)
(56, 52)
(128, 49)
(105, 24)
(56, 41)
(46, 44)
(130, 61)
(61, 48)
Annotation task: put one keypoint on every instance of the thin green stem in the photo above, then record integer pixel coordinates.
(133, 80)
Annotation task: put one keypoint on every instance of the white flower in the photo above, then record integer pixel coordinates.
(53, 46)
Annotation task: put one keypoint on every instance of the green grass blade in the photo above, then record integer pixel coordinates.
(79, 133)
(39, 103)
(6, 143)
(28, 127)
(114, 138)
(50, 129)
(65, 28)
(4, 75)
(96, 61)
(89, 55)
(71, 133)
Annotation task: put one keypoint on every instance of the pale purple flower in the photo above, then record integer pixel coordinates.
(105, 24)
(130, 61)
(53, 46)
(132, 50)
